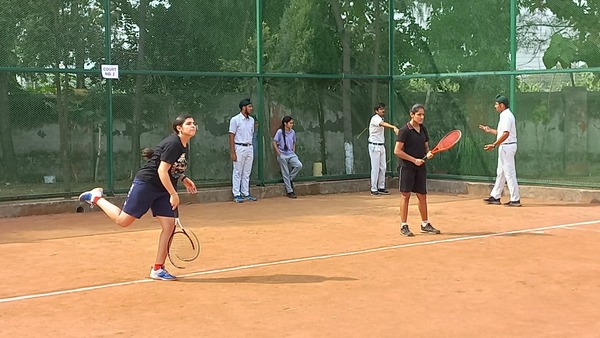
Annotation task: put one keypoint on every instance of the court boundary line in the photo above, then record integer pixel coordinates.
(296, 260)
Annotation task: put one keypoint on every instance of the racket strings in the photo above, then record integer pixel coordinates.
(449, 140)
(183, 247)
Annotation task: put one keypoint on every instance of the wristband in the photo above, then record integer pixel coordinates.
(183, 177)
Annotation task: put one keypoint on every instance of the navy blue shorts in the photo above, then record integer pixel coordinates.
(143, 196)
(412, 179)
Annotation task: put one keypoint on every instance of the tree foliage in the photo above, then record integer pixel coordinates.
(189, 37)
(581, 42)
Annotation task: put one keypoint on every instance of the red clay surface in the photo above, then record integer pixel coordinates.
(318, 266)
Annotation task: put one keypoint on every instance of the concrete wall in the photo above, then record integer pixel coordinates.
(477, 190)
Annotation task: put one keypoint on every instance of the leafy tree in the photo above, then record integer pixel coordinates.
(466, 36)
(581, 41)
(305, 44)
(139, 85)
(343, 19)
(378, 39)
(9, 13)
(64, 34)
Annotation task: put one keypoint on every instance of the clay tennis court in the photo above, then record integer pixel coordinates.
(320, 266)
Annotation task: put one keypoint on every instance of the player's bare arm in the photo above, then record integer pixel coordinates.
(428, 152)
(499, 141)
(276, 148)
(487, 129)
(189, 185)
(391, 126)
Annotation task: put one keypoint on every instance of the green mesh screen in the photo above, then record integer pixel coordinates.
(63, 128)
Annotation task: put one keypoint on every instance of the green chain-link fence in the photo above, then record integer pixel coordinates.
(64, 128)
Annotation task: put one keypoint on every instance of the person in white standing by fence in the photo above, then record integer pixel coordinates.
(506, 142)
(241, 129)
(377, 150)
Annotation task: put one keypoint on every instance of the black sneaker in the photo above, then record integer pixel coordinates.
(291, 195)
(405, 231)
(430, 229)
(513, 203)
(491, 200)
(375, 193)
(383, 192)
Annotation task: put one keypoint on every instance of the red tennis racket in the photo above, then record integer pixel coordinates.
(447, 142)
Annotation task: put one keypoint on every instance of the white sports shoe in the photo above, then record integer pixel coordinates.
(161, 274)
(90, 196)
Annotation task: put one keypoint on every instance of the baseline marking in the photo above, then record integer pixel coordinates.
(296, 260)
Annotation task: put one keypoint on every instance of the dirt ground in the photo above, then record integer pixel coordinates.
(318, 266)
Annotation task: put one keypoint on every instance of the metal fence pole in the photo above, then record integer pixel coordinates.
(260, 92)
(109, 112)
(513, 52)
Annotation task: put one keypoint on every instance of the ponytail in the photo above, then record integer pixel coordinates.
(147, 153)
(284, 120)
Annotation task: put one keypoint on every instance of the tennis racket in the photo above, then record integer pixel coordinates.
(447, 142)
(184, 245)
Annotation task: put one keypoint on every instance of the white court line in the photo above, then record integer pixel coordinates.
(592, 230)
(296, 260)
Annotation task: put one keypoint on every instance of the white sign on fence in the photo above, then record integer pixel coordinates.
(110, 71)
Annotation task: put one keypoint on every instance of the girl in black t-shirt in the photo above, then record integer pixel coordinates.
(155, 187)
(412, 146)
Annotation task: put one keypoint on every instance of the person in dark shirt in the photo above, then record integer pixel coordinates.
(412, 146)
(155, 187)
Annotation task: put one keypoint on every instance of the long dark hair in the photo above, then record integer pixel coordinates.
(179, 121)
(284, 120)
(415, 108)
(147, 153)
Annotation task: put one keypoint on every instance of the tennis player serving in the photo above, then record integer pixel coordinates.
(155, 187)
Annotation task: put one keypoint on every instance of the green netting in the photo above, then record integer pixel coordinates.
(64, 128)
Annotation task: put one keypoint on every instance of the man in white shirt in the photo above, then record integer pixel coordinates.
(506, 142)
(241, 130)
(377, 150)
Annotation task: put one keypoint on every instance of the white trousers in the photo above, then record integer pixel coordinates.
(241, 170)
(378, 166)
(506, 172)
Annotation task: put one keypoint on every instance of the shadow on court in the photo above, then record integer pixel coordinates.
(562, 205)
(475, 234)
(270, 279)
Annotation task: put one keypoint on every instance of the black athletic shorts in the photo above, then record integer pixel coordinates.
(143, 196)
(412, 179)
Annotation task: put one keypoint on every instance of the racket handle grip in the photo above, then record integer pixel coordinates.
(432, 153)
